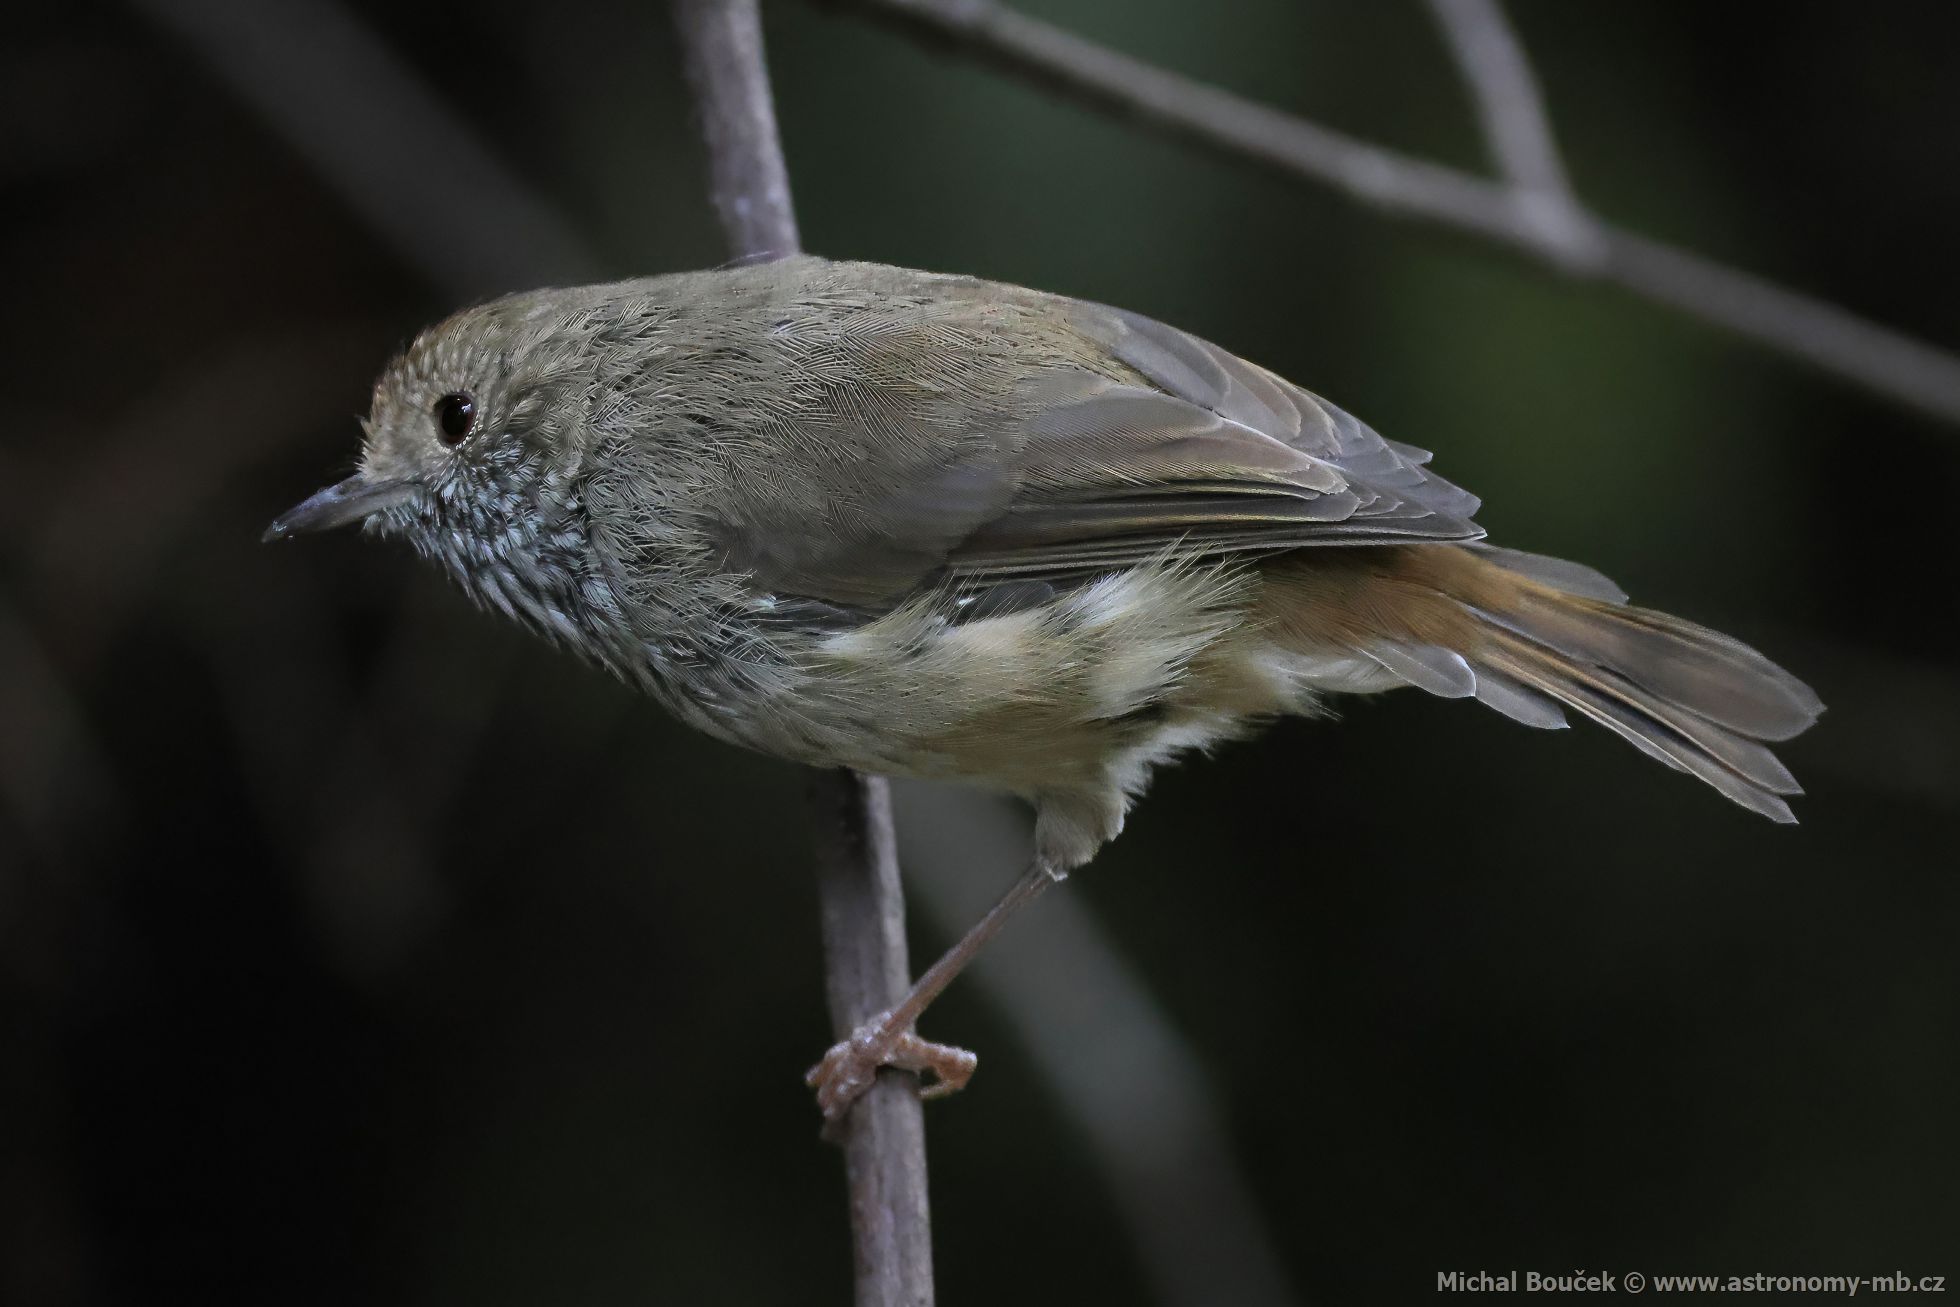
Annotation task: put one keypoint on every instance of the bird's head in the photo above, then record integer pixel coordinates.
(471, 440)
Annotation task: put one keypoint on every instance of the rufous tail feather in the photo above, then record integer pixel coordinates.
(1529, 635)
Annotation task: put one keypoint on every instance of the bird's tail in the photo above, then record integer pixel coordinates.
(1529, 635)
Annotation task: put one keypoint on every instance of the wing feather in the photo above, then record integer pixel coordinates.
(983, 431)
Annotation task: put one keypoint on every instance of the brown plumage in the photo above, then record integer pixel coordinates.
(911, 523)
(1696, 700)
(916, 523)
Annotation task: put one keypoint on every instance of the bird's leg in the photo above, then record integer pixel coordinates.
(887, 1039)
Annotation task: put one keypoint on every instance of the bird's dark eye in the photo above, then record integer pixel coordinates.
(455, 417)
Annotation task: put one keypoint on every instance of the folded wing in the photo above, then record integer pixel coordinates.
(937, 442)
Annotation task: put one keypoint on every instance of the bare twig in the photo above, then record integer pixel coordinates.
(868, 971)
(1829, 338)
(857, 863)
(749, 181)
(1516, 127)
(1509, 104)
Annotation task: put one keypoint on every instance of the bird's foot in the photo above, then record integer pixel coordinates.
(847, 1070)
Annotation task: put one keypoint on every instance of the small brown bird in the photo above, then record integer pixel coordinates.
(926, 525)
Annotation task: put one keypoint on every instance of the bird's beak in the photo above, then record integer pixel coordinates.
(352, 500)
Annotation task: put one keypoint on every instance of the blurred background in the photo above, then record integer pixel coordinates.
(356, 948)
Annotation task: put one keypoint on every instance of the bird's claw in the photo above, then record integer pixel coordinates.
(848, 1069)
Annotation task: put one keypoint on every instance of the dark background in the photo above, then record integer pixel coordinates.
(354, 948)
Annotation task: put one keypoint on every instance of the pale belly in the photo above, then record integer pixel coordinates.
(1088, 691)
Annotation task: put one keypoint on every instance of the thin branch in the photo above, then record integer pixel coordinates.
(884, 1137)
(1882, 361)
(1511, 109)
(722, 42)
(857, 864)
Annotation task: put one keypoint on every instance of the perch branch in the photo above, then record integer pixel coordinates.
(1829, 338)
(722, 44)
(857, 863)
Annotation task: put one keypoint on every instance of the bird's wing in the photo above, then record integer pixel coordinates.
(1210, 454)
(1041, 439)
